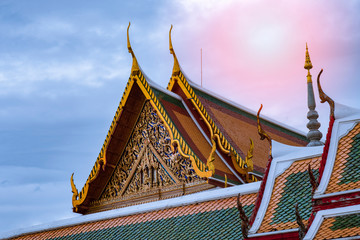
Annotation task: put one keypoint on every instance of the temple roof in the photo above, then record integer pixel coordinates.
(183, 134)
(285, 185)
(198, 215)
(323, 182)
(168, 149)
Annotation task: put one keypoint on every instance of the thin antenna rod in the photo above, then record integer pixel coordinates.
(201, 64)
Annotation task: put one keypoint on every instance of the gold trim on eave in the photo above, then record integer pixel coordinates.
(215, 132)
(176, 139)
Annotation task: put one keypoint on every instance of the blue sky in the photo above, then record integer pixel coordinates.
(64, 66)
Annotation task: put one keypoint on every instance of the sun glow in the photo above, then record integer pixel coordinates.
(266, 40)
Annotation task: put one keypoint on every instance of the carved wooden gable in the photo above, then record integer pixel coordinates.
(148, 169)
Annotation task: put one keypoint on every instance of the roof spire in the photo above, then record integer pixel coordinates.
(135, 66)
(314, 135)
(176, 68)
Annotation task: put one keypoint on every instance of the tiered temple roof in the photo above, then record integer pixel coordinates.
(184, 163)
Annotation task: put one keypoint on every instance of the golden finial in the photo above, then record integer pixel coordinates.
(261, 131)
(247, 166)
(210, 161)
(308, 65)
(225, 181)
(249, 156)
(73, 188)
(176, 68)
(135, 66)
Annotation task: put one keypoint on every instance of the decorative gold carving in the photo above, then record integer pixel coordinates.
(215, 132)
(248, 165)
(324, 97)
(73, 188)
(261, 131)
(176, 139)
(308, 65)
(148, 161)
(176, 68)
(211, 158)
(135, 66)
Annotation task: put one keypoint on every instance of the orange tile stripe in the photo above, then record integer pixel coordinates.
(143, 217)
(343, 150)
(326, 233)
(298, 166)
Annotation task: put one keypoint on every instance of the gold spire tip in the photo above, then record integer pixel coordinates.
(308, 65)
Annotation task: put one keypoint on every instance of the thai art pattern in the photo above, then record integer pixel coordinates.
(147, 162)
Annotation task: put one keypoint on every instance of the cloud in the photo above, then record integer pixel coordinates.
(64, 67)
(28, 175)
(35, 203)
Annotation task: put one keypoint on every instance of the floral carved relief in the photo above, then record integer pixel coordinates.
(147, 162)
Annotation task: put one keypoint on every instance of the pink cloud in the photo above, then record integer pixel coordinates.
(254, 51)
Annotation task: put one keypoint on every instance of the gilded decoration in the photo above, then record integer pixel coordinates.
(215, 133)
(178, 144)
(148, 162)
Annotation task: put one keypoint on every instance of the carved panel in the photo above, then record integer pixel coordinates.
(147, 162)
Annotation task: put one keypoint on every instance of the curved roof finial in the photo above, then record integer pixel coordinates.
(261, 131)
(135, 66)
(176, 68)
(324, 97)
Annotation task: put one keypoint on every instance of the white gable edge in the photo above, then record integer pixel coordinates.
(273, 233)
(334, 212)
(340, 129)
(288, 155)
(209, 195)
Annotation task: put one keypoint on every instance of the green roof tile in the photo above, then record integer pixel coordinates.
(297, 190)
(218, 224)
(352, 171)
(348, 221)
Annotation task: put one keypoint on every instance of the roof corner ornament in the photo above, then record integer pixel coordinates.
(248, 165)
(73, 190)
(314, 135)
(244, 219)
(324, 97)
(248, 160)
(176, 68)
(313, 181)
(302, 227)
(262, 133)
(208, 170)
(211, 158)
(135, 66)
